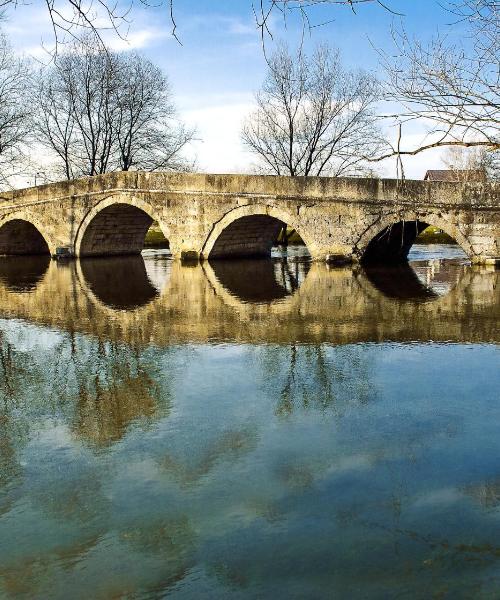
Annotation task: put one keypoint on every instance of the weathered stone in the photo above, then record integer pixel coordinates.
(216, 216)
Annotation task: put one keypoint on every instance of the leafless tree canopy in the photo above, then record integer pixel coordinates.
(14, 112)
(102, 111)
(453, 87)
(70, 19)
(472, 160)
(149, 134)
(313, 117)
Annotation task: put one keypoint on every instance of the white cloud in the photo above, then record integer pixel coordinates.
(219, 149)
(136, 39)
(221, 24)
(238, 27)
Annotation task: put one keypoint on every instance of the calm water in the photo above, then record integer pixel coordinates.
(266, 429)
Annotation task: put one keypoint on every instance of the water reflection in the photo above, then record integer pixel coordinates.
(293, 302)
(260, 280)
(307, 379)
(207, 444)
(105, 413)
(399, 281)
(119, 282)
(425, 278)
(23, 273)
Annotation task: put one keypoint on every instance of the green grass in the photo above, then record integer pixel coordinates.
(155, 238)
(434, 235)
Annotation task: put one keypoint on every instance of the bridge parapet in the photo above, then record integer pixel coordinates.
(321, 188)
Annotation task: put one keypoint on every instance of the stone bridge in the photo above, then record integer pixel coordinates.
(222, 216)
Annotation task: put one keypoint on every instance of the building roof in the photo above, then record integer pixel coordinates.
(455, 175)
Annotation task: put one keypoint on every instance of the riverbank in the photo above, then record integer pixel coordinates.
(155, 238)
(431, 235)
(434, 235)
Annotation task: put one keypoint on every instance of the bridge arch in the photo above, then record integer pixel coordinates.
(116, 226)
(22, 234)
(390, 239)
(249, 231)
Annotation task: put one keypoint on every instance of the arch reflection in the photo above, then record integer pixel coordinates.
(119, 282)
(399, 281)
(423, 280)
(23, 273)
(260, 281)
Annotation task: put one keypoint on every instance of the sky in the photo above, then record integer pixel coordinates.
(218, 63)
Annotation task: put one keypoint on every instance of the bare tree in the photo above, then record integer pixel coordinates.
(149, 133)
(54, 121)
(77, 109)
(313, 117)
(265, 10)
(101, 111)
(69, 18)
(472, 164)
(14, 111)
(453, 88)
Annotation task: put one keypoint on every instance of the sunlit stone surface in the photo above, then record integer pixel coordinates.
(340, 219)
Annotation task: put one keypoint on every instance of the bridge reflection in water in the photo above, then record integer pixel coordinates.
(23, 273)
(277, 300)
(119, 282)
(171, 429)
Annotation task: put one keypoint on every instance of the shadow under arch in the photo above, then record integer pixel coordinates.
(248, 231)
(120, 283)
(23, 273)
(260, 281)
(116, 226)
(19, 236)
(391, 243)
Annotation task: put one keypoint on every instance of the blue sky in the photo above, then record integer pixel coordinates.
(220, 64)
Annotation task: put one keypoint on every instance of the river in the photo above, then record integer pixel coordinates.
(255, 429)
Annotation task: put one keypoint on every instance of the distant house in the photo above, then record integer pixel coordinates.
(456, 175)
